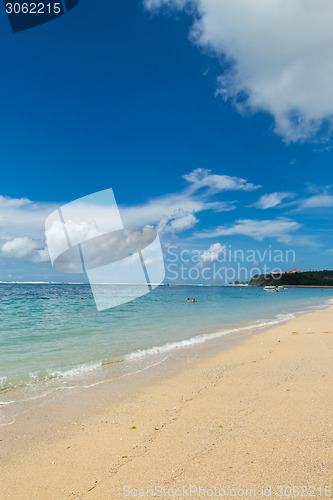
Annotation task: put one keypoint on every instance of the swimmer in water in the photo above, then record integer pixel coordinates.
(193, 300)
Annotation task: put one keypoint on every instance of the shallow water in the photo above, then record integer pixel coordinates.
(50, 337)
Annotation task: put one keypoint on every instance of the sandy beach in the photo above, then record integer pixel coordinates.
(251, 421)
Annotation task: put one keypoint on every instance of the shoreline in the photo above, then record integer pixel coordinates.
(195, 415)
(55, 409)
(96, 369)
(144, 365)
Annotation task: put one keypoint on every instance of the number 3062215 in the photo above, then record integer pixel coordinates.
(33, 8)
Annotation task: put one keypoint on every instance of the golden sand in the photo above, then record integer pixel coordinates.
(257, 415)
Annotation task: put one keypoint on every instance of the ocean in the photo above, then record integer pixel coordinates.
(51, 338)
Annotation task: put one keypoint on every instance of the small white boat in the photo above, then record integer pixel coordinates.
(271, 289)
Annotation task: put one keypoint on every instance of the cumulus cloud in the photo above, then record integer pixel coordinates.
(203, 178)
(83, 230)
(22, 217)
(173, 212)
(271, 200)
(280, 229)
(7, 202)
(213, 253)
(201, 183)
(178, 222)
(24, 248)
(317, 201)
(155, 209)
(279, 56)
(23, 221)
(41, 255)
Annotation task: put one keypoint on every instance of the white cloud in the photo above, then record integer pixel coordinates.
(22, 224)
(20, 218)
(83, 230)
(271, 200)
(24, 218)
(203, 178)
(23, 221)
(189, 200)
(41, 255)
(24, 248)
(7, 202)
(153, 210)
(4, 237)
(317, 201)
(279, 229)
(213, 253)
(279, 54)
(178, 222)
(18, 248)
(153, 4)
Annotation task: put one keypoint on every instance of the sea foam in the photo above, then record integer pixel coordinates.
(202, 338)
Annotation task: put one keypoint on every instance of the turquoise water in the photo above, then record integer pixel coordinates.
(47, 332)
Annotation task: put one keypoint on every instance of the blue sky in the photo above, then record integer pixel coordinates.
(215, 130)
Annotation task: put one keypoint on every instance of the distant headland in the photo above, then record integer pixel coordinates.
(295, 278)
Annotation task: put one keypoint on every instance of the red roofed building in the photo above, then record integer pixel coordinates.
(294, 271)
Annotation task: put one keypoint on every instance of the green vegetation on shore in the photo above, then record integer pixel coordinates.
(307, 278)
